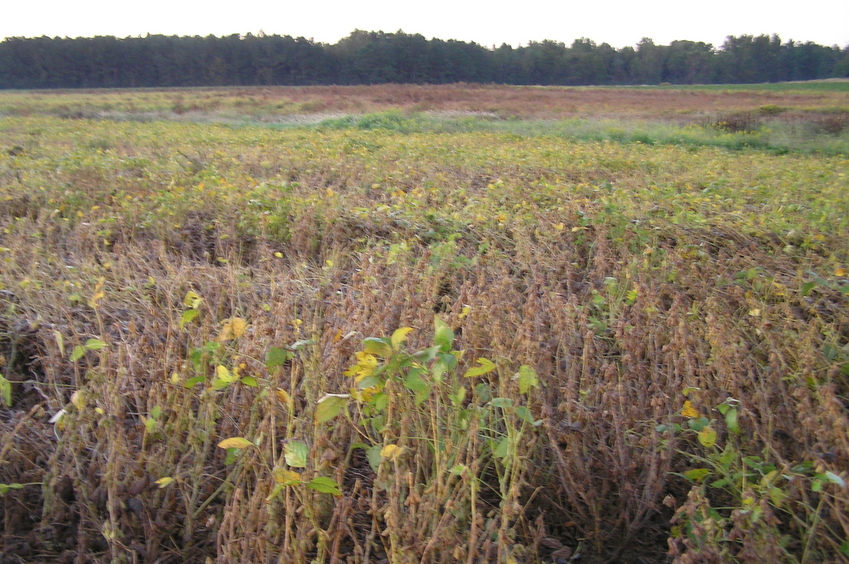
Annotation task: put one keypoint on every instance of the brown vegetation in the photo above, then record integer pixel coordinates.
(631, 279)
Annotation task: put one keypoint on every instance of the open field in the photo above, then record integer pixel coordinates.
(390, 335)
(686, 103)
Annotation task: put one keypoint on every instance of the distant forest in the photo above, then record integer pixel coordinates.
(376, 57)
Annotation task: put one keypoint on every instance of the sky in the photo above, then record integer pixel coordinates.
(490, 23)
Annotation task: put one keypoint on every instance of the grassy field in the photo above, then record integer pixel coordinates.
(424, 324)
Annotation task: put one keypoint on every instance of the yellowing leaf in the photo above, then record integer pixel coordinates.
(164, 482)
(296, 454)
(399, 336)
(365, 366)
(689, 410)
(528, 378)
(486, 366)
(192, 300)
(235, 442)
(223, 374)
(840, 272)
(707, 436)
(78, 400)
(284, 397)
(233, 328)
(286, 477)
(389, 452)
(330, 406)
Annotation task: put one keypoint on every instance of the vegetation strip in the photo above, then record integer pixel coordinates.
(309, 344)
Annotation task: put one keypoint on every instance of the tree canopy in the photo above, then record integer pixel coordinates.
(368, 57)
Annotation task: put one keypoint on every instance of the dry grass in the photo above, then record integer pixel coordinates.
(524, 102)
(625, 276)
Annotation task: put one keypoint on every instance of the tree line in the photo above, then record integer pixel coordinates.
(377, 57)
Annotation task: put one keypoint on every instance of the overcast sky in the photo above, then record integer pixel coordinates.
(488, 22)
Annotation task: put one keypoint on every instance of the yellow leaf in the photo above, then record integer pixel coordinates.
(390, 452)
(235, 442)
(286, 477)
(707, 437)
(284, 397)
(192, 300)
(755, 312)
(78, 400)
(399, 336)
(840, 272)
(164, 482)
(233, 328)
(223, 374)
(689, 410)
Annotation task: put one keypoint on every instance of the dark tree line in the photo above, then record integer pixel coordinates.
(377, 57)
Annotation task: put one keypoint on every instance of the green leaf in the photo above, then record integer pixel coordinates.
(276, 491)
(94, 344)
(486, 366)
(4, 488)
(296, 453)
(377, 346)
(277, 356)
(807, 287)
(527, 379)
(458, 469)
(502, 403)
(78, 353)
(6, 391)
(698, 424)
(330, 406)
(707, 436)
(219, 384)
(697, 474)
(835, 479)
(374, 456)
(731, 421)
(156, 412)
(502, 449)
(303, 343)
(443, 336)
(232, 456)
(427, 354)
(188, 316)
(149, 424)
(525, 414)
(192, 382)
(324, 485)
(249, 381)
(458, 396)
(417, 385)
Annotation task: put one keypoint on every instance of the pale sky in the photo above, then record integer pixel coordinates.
(487, 22)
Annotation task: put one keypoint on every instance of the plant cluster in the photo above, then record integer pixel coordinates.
(249, 344)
